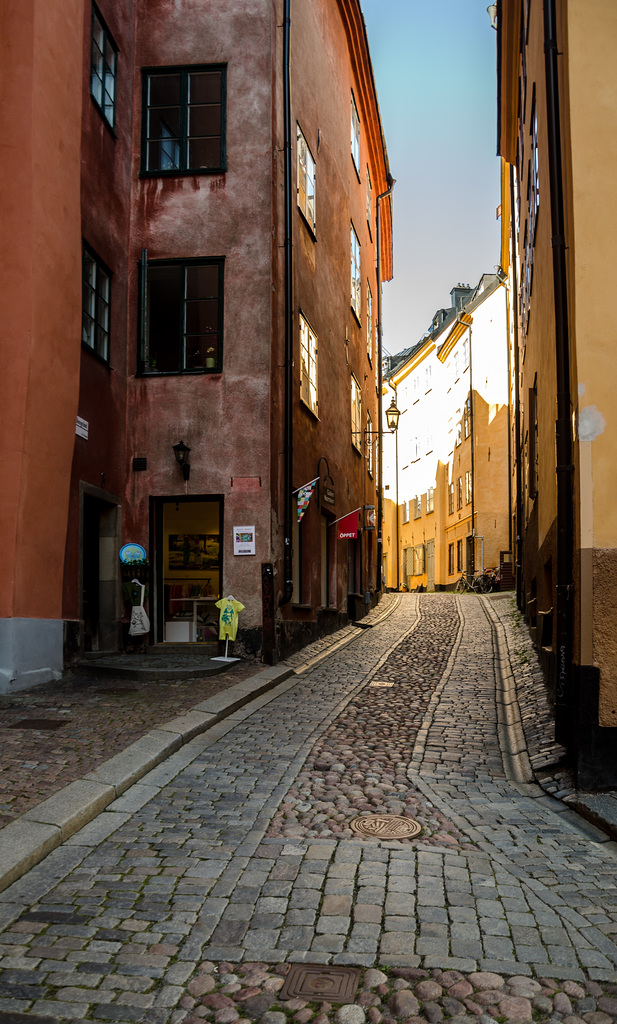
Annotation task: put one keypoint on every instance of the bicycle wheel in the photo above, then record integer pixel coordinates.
(461, 585)
(485, 584)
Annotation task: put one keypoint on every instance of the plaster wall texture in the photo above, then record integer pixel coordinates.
(40, 296)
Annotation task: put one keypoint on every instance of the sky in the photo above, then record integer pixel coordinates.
(434, 66)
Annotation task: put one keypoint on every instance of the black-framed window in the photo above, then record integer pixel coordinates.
(103, 60)
(182, 316)
(183, 120)
(95, 303)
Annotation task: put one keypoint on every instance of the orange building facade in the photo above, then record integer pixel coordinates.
(199, 269)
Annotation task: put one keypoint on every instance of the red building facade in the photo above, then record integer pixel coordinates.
(231, 159)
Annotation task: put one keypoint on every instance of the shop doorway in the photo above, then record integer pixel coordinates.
(99, 613)
(189, 577)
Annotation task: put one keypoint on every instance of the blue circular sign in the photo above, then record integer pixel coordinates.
(132, 553)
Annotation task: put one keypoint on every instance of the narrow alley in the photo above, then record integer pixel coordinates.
(238, 850)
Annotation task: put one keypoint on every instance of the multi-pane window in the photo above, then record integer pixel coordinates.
(306, 180)
(534, 201)
(355, 134)
(458, 427)
(417, 506)
(184, 120)
(428, 371)
(418, 560)
(467, 487)
(451, 498)
(430, 499)
(405, 511)
(103, 57)
(369, 443)
(466, 354)
(182, 316)
(356, 414)
(356, 298)
(96, 288)
(459, 492)
(308, 365)
(369, 202)
(450, 559)
(467, 417)
(459, 555)
(369, 322)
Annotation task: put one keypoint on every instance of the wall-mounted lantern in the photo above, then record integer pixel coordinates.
(181, 452)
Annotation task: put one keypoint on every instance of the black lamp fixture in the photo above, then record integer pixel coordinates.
(392, 415)
(181, 451)
(491, 10)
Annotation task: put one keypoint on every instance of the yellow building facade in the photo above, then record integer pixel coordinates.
(446, 509)
(557, 132)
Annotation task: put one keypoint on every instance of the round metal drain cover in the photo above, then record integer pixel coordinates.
(385, 826)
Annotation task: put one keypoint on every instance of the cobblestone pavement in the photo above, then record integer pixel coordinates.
(98, 716)
(189, 897)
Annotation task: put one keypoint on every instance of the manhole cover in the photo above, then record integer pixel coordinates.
(38, 723)
(385, 826)
(381, 682)
(312, 981)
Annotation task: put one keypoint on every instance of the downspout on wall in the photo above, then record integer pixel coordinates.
(287, 591)
(378, 583)
(564, 467)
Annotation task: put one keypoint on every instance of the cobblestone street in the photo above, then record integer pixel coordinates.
(187, 898)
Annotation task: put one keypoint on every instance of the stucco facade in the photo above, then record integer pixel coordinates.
(452, 467)
(218, 178)
(557, 118)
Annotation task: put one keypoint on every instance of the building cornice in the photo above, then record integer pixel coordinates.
(463, 323)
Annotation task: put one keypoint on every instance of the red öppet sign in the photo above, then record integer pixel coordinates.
(347, 527)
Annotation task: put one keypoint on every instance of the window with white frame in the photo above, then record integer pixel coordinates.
(467, 487)
(451, 498)
(430, 499)
(467, 417)
(355, 134)
(369, 443)
(356, 298)
(306, 180)
(308, 365)
(417, 506)
(418, 560)
(369, 322)
(405, 513)
(466, 354)
(369, 199)
(459, 493)
(356, 414)
(458, 427)
(456, 366)
(427, 377)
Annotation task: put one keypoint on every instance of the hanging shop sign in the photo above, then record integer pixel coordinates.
(244, 540)
(132, 552)
(81, 428)
(347, 526)
(369, 517)
(327, 496)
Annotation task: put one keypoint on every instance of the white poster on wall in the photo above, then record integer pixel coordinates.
(244, 540)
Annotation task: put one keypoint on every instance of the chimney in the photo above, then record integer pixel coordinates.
(460, 295)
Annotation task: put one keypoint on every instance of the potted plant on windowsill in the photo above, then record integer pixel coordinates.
(210, 358)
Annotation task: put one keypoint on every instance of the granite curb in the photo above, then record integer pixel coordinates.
(597, 810)
(25, 841)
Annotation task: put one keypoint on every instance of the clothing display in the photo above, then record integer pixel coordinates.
(228, 622)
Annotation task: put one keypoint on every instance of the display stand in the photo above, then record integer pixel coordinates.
(223, 657)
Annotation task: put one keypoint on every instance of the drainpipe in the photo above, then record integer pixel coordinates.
(391, 183)
(564, 467)
(517, 414)
(289, 320)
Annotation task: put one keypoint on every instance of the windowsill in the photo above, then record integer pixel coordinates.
(307, 224)
(110, 128)
(356, 316)
(93, 352)
(308, 408)
(182, 174)
(153, 374)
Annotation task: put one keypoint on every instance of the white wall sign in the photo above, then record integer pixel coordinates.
(81, 428)
(244, 540)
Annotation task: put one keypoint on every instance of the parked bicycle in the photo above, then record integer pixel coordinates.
(480, 583)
